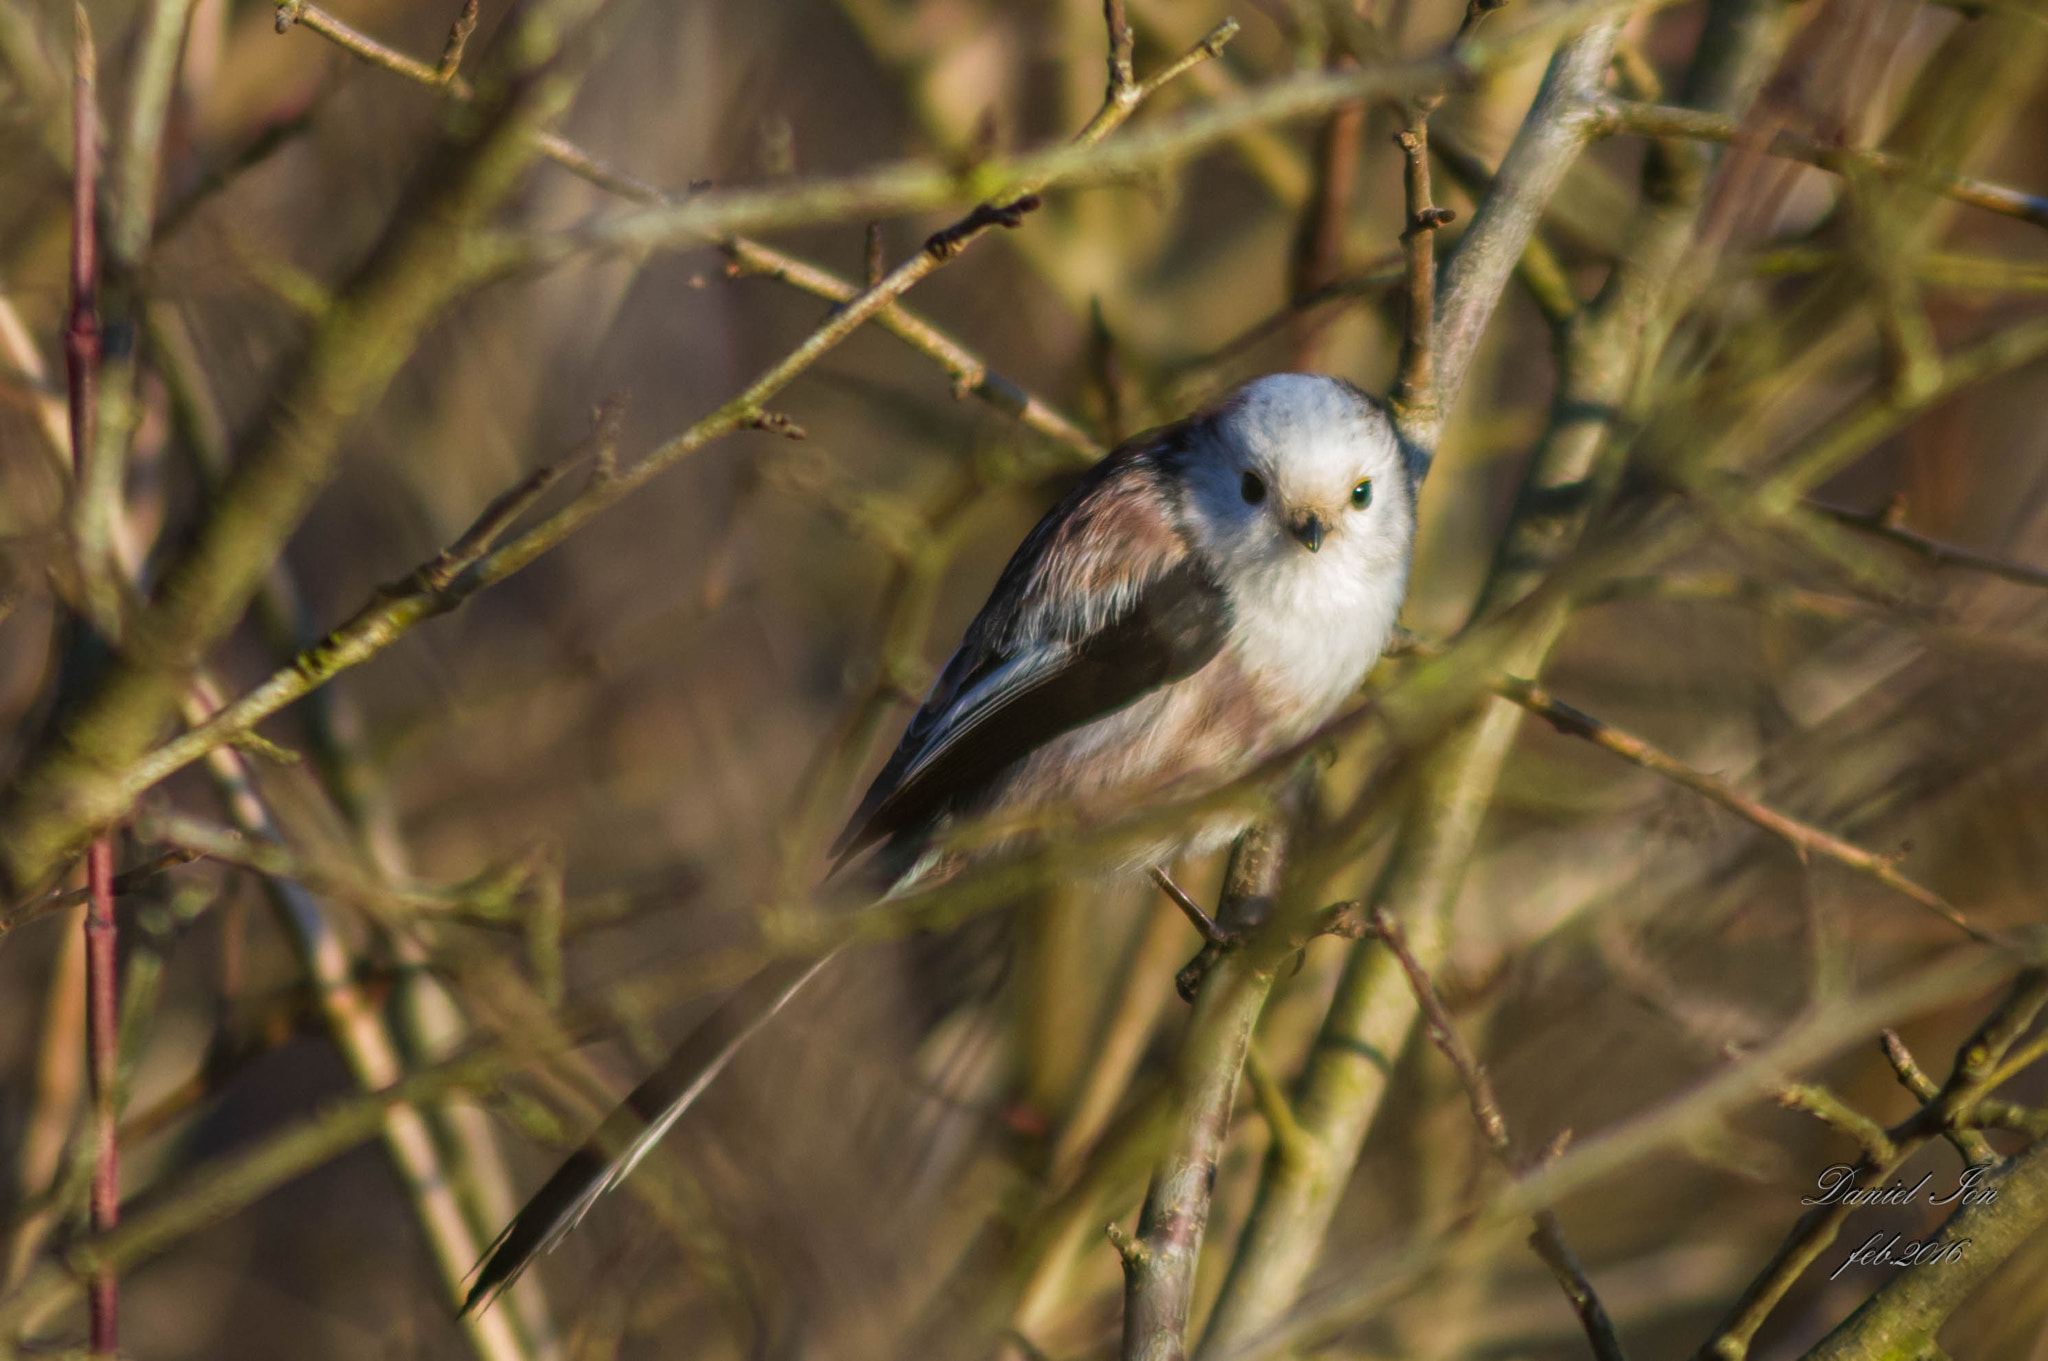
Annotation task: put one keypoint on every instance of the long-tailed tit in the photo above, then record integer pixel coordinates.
(1206, 596)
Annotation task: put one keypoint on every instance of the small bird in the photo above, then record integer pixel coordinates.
(1204, 597)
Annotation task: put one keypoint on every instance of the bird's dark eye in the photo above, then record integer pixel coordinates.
(1361, 495)
(1253, 489)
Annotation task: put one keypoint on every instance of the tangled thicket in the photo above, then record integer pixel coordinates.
(531, 456)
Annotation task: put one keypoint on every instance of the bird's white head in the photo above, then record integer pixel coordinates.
(1294, 471)
(1296, 495)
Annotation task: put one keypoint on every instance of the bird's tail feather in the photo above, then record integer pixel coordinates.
(636, 1126)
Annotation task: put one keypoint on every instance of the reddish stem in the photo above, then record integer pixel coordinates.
(102, 980)
(102, 1038)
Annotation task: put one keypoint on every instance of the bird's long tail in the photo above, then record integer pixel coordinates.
(636, 1126)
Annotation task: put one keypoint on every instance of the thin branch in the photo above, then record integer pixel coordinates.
(1203, 923)
(971, 374)
(1548, 1238)
(1443, 1033)
(1803, 837)
(1974, 1147)
(102, 1038)
(1658, 120)
(126, 882)
(1824, 1106)
(1159, 1263)
(458, 38)
(1417, 372)
(433, 588)
(1415, 393)
(362, 45)
(1123, 75)
(1888, 524)
(102, 966)
(1470, 286)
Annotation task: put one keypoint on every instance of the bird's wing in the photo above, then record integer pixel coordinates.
(1103, 602)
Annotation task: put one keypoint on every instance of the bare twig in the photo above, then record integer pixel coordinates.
(1824, 1106)
(1417, 373)
(1974, 1147)
(127, 881)
(971, 375)
(1657, 120)
(361, 44)
(1888, 524)
(1212, 933)
(1470, 285)
(458, 38)
(1548, 1238)
(102, 975)
(1804, 838)
(102, 1030)
(1159, 1262)
(1415, 395)
(913, 187)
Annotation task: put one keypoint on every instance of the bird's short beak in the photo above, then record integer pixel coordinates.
(1308, 529)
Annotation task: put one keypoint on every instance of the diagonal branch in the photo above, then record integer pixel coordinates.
(1660, 120)
(1548, 1240)
(1888, 524)
(1801, 836)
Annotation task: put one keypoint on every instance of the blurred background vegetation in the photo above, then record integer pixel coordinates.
(549, 823)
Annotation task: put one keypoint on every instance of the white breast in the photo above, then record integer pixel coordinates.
(1309, 627)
